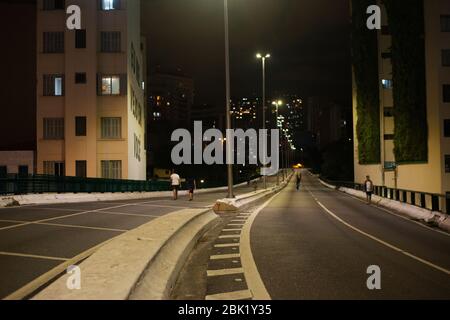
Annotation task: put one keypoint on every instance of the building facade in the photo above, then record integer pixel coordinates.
(91, 90)
(432, 175)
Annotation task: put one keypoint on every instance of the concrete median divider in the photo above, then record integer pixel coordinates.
(141, 264)
(144, 263)
(245, 201)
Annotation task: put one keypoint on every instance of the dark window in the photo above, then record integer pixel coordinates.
(388, 112)
(3, 171)
(54, 5)
(81, 169)
(447, 163)
(445, 23)
(386, 55)
(447, 128)
(446, 92)
(53, 128)
(446, 58)
(53, 42)
(388, 137)
(110, 41)
(80, 78)
(80, 39)
(23, 170)
(80, 126)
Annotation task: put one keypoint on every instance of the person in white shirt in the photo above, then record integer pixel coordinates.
(368, 187)
(175, 181)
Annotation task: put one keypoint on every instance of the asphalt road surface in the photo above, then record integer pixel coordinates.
(36, 239)
(318, 243)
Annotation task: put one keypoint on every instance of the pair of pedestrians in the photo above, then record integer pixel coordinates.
(175, 181)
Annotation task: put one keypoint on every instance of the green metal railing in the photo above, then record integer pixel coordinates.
(36, 184)
(431, 201)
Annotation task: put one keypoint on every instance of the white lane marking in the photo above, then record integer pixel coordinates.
(63, 225)
(396, 214)
(237, 295)
(397, 249)
(34, 256)
(252, 275)
(129, 214)
(224, 272)
(32, 286)
(235, 225)
(226, 245)
(231, 230)
(60, 217)
(225, 256)
(230, 236)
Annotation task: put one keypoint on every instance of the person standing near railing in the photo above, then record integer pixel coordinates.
(368, 187)
(175, 181)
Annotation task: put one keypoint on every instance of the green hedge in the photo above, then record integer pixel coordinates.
(365, 68)
(406, 23)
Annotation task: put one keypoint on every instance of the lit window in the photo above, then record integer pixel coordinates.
(110, 4)
(110, 85)
(387, 84)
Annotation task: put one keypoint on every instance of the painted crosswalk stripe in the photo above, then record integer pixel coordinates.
(224, 272)
(237, 295)
(231, 230)
(225, 256)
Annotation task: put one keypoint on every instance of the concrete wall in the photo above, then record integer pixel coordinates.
(13, 159)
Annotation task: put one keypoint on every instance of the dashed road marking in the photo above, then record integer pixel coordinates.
(224, 272)
(230, 236)
(237, 295)
(226, 245)
(225, 256)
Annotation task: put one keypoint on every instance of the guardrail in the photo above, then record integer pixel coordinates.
(32, 184)
(425, 200)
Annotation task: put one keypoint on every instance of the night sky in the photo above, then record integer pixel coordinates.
(309, 41)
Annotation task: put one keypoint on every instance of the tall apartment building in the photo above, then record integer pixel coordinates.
(433, 174)
(91, 91)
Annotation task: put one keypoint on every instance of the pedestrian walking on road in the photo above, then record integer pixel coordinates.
(298, 180)
(368, 187)
(191, 186)
(175, 182)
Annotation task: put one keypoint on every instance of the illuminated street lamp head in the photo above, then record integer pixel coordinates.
(260, 56)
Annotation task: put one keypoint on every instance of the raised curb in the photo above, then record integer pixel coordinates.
(243, 202)
(415, 213)
(119, 270)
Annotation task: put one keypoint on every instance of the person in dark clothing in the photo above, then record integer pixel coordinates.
(191, 186)
(298, 180)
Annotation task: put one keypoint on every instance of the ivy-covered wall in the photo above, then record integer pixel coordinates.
(365, 68)
(406, 24)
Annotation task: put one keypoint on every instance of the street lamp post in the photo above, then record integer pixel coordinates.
(277, 104)
(228, 106)
(263, 59)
